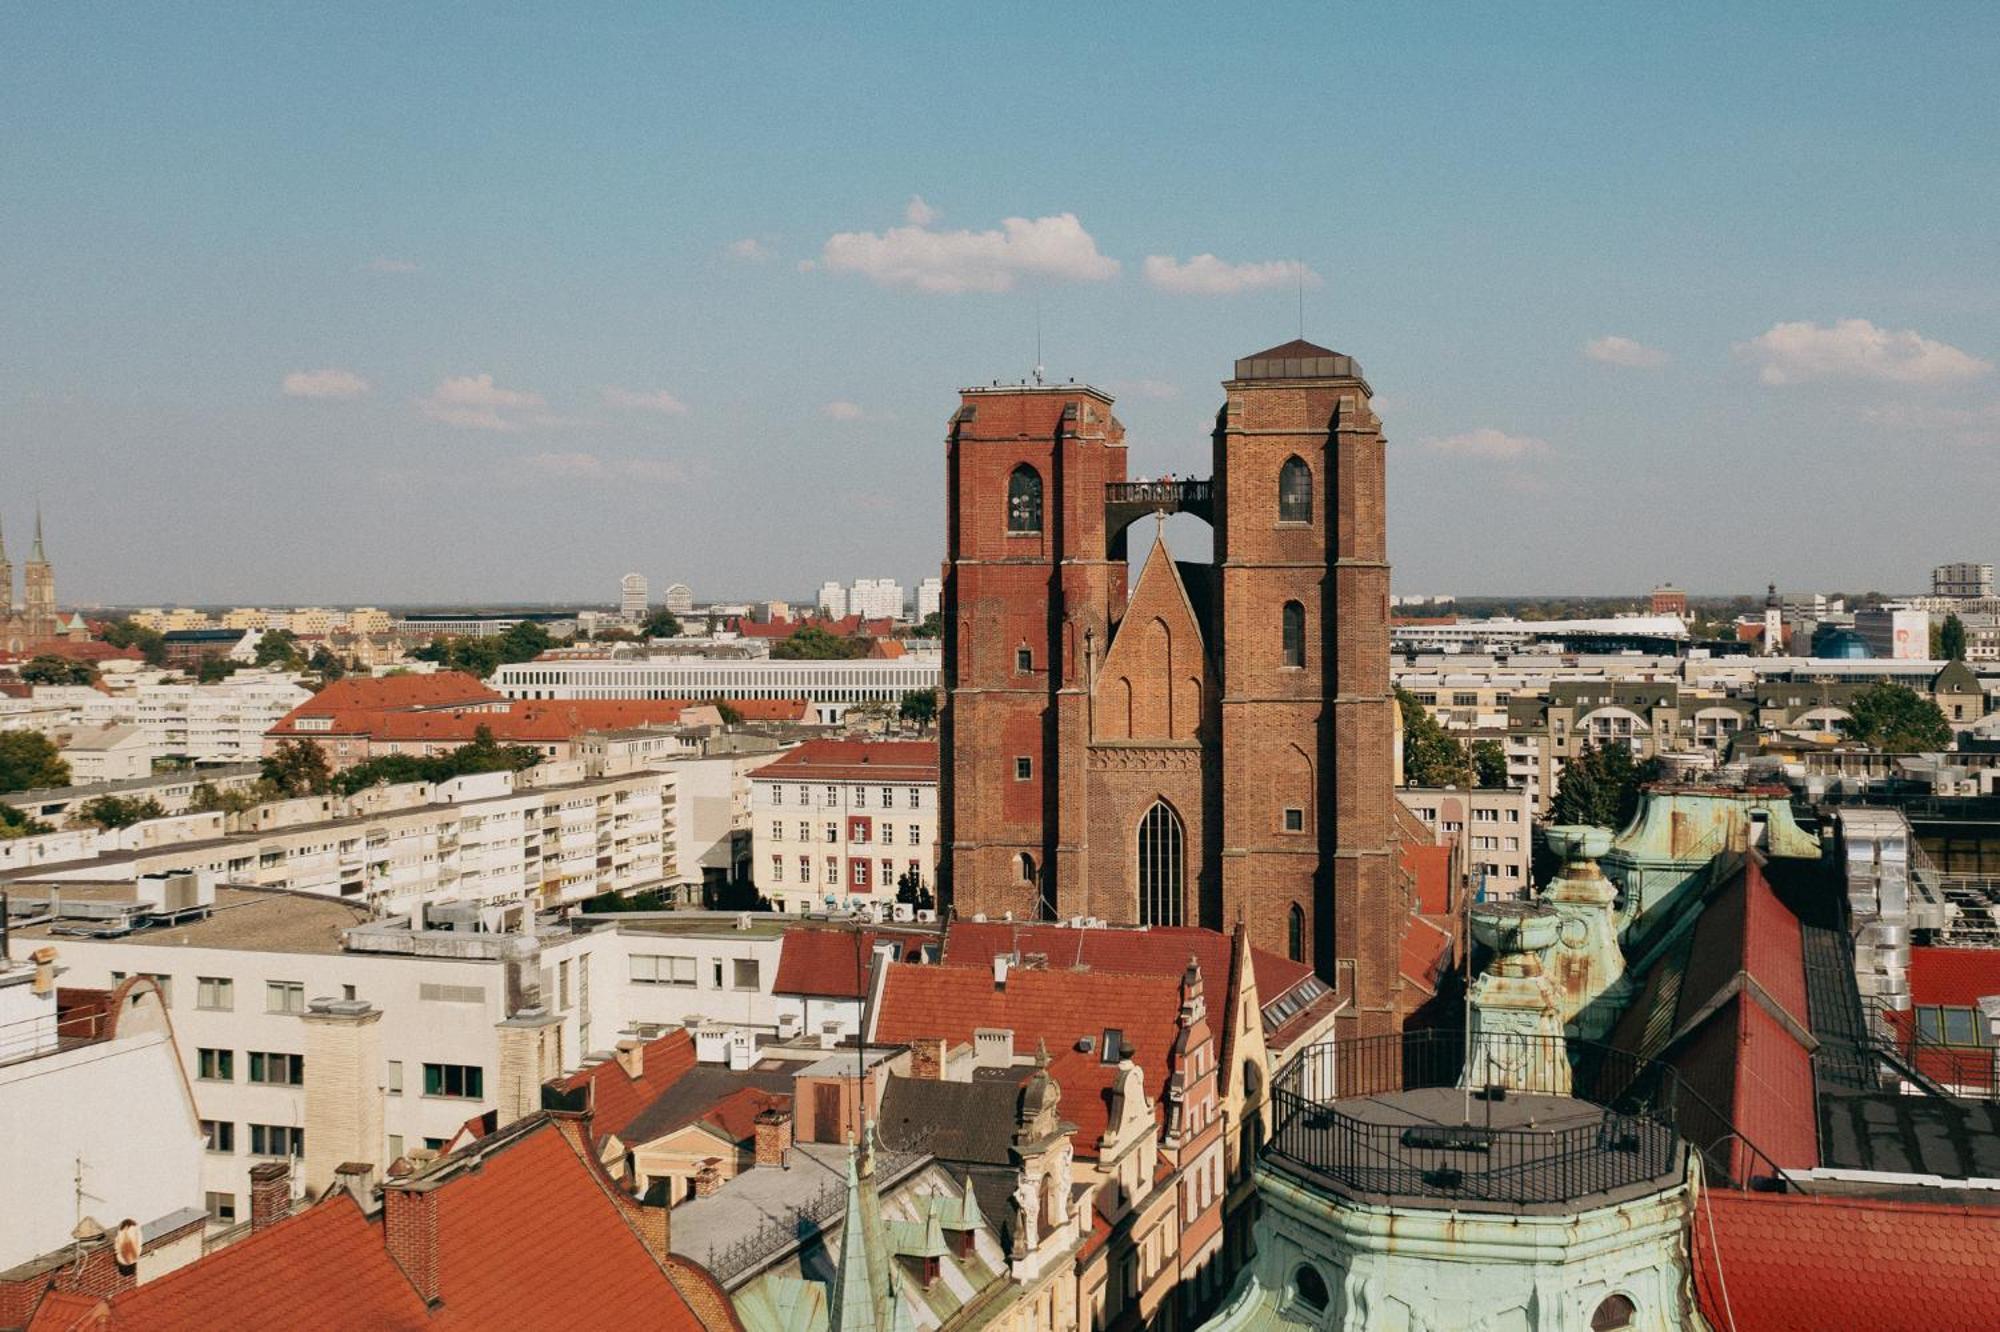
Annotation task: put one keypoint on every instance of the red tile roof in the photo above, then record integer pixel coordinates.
(1788, 1262)
(1426, 951)
(827, 964)
(735, 1115)
(1429, 868)
(1954, 977)
(1156, 950)
(325, 1267)
(532, 1239)
(855, 761)
(527, 721)
(616, 1098)
(1058, 1007)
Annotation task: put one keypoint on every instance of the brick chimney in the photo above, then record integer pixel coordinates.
(774, 1137)
(270, 1193)
(927, 1058)
(410, 1229)
(655, 1220)
(708, 1179)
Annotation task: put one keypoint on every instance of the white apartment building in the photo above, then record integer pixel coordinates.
(632, 596)
(832, 600)
(830, 685)
(678, 598)
(309, 1029)
(548, 836)
(876, 599)
(1489, 829)
(98, 754)
(930, 598)
(836, 824)
(1962, 580)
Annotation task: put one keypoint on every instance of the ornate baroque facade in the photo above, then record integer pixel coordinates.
(1212, 743)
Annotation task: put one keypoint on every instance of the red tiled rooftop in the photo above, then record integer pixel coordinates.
(855, 760)
(826, 964)
(735, 1115)
(1157, 950)
(1788, 1262)
(1429, 868)
(1057, 1007)
(616, 1098)
(1954, 977)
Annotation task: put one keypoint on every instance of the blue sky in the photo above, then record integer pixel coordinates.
(391, 303)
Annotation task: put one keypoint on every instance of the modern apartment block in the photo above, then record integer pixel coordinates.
(1490, 831)
(839, 823)
(1964, 581)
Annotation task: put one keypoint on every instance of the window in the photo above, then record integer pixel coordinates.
(915, 872)
(1113, 1048)
(1024, 769)
(1024, 660)
(888, 834)
(395, 1145)
(805, 869)
(744, 973)
(1024, 500)
(888, 878)
(218, 1135)
(1295, 933)
(916, 798)
(217, 993)
(284, 997)
(431, 992)
(832, 832)
(1309, 1287)
(1295, 634)
(777, 830)
(466, 1081)
(1295, 820)
(222, 1209)
(662, 969)
(832, 795)
(281, 1070)
(215, 1065)
(777, 795)
(888, 797)
(1295, 492)
(860, 874)
(392, 1082)
(833, 869)
(805, 831)
(277, 1140)
(861, 797)
(777, 869)
(1952, 1026)
(1614, 1313)
(857, 830)
(916, 835)
(1162, 867)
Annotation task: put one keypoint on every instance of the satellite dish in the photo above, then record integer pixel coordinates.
(127, 1243)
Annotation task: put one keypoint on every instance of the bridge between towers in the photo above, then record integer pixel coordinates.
(1126, 502)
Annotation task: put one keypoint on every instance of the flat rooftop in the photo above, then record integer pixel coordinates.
(248, 919)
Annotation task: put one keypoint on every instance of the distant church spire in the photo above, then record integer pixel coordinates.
(36, 554)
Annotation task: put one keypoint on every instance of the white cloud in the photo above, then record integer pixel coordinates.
(749, 249)
(918, 213)
(1792, 353)
(842, 410)
(956, 261)
(1206, 275)
(1628, 352)
(590, 467)
(382, 263)
(475, 402)
(1490, 445)
(659, 400)
(327, 383)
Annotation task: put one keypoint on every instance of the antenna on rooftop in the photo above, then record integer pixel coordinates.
(1038, 335)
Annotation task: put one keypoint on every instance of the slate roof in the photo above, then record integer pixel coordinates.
(1059, 1007)
(966, 1123)
(698, 1092)
(1788, 1262)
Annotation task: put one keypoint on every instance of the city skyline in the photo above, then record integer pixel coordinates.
(457, 346)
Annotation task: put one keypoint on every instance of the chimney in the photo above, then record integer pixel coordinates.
(270, 1193)
(999, 971)
(44, 959)
(358, 1178)
(927, 1058)
(774, 1137)
(655, 1220)
(409, 1228)
(708, 1179)
(632, 1058)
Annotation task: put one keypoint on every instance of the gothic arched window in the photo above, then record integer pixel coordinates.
(1295, 492)
(1162, 866)
(1295, 634)
(1295, 933)
(1024, 500)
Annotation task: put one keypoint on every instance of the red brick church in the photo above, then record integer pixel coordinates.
(1214, 741)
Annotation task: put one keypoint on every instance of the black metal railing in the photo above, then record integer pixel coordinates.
(1648, 1113)
(1169, 494)
(1933, 1066)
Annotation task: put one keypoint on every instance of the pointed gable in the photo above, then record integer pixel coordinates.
(1155, 675)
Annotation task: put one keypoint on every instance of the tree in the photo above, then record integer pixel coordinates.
(1601, 786)
(1431, 756)
(13, 823)
(126, 633)
(919, 706)
(280, 648)
(932, 626)
(110, 811)
(208, 798)
(731, 714)
(296, 768)
(911, 892)
(49, 669)
(662, 623)
(813, 643)
(29, 761)
(1489, 764)
(327, 664)
(1897, 720)
(216, 668)
(484, 754)
(524, 642)
(1951, 640)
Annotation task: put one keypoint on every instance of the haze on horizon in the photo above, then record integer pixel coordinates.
(492, 304)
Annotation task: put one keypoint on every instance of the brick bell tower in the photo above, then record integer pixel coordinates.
(1026, 585)
(1307, 850)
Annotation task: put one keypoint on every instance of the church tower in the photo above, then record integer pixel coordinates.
(39, 582)
(6, 581)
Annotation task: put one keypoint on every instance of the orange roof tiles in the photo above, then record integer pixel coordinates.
(1788, 1262)
(827, 964)
(735, 1115)
(1158, 950)
(1954, 977)
(855, 761)
(616, 1098)
(325, 1267)
(1051, 1006)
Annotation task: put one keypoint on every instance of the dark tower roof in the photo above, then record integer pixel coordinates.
(1297, 359)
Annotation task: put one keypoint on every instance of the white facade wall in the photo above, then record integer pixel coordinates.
(832, 600)
(819, 845)
(876, 599)
(823, 682)
(930, 597)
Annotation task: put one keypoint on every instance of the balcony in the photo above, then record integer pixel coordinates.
(1125, 502)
